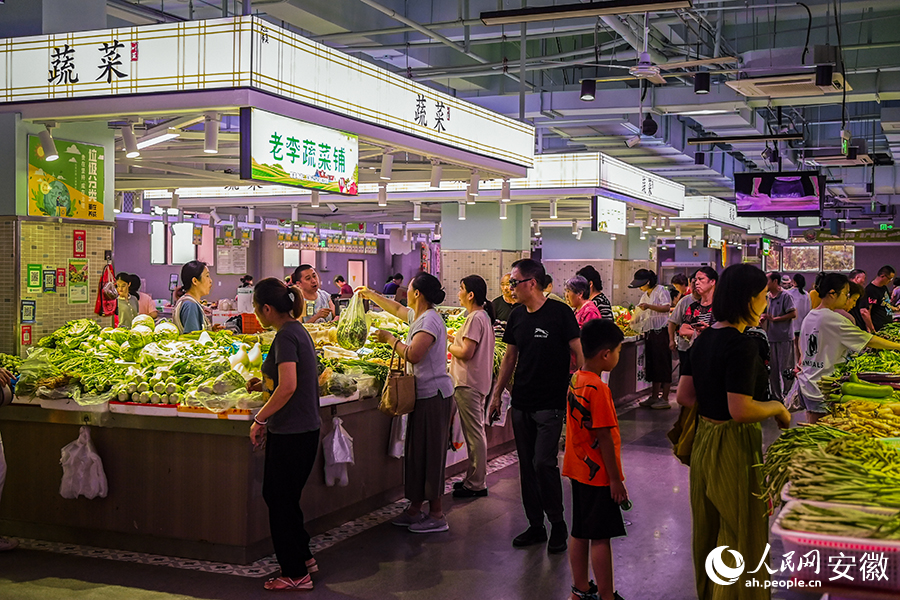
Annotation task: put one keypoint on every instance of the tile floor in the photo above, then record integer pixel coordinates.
(368, 559)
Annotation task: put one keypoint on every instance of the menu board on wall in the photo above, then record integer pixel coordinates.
(70, 186)
(231, 257)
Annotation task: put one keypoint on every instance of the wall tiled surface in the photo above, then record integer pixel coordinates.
(623, 273)
(8, 299)
(561, 270)
(50, 244)
(491, 265)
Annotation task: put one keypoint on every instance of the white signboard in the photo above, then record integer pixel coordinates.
(246, 52)
(610, 215)
(764, 226)
(621, 177)
(286, 151)
(713, 237)
(709, 207)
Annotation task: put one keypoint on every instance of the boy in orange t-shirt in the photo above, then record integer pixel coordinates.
(593, 463)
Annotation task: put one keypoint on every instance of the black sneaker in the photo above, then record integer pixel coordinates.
(464, 492)
(616, 596)
(535, 534)
(559, 536)
(458, 485)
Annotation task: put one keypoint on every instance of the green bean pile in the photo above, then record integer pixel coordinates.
(842, 521)
(817, 475)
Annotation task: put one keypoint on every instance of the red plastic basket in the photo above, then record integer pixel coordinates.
(250, 324)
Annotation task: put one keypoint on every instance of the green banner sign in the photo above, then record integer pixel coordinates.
(869, 235)
(69, 186)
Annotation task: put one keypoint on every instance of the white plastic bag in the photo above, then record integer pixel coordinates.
(338, 448)
(505, 400)
(83, 473)
(397, 440)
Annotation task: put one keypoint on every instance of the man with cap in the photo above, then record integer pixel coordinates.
(654, 322)
(780, 311)
(786, 282)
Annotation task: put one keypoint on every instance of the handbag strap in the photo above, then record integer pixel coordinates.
(391, 368)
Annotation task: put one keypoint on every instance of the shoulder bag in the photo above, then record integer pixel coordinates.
(683, 432)
(399, 394)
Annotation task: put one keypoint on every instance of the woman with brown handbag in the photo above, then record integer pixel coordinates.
(428, 425)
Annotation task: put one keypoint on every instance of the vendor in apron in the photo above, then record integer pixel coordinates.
(197, 283)
(318, 307)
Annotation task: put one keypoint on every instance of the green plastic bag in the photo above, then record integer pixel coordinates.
(352, 329)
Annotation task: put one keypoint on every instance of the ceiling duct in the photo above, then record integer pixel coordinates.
(777, 73)
(832, 157)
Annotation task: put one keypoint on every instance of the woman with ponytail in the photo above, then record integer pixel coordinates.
(428, 426)
(289, 422)
(472, 369)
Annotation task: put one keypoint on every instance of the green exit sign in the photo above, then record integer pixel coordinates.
(885, 226)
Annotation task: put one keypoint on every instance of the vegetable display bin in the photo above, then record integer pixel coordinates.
(853, 549)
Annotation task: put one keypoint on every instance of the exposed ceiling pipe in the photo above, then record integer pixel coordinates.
(352, 35)
(538, 66)
(623, 30)
(146, 12)
(432, 34)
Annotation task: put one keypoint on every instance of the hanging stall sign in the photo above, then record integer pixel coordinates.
(608, 215)
(71, 186)
(763, 226)
(285, 151)
(871, 235)
(27, 312)
(246, 52)
(34, 280)
(79, 243)
(709, 207)
(60, 277)
(78, 281)
(621, 177)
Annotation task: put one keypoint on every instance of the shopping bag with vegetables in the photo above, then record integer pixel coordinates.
(352, 329)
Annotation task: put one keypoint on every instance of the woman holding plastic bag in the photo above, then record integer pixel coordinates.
(428, 426)
(289, 423)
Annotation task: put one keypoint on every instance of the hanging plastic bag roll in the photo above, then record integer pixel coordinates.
(338, 449)
(83, 473)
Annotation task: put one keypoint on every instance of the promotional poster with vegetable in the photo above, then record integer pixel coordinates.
(70, 186)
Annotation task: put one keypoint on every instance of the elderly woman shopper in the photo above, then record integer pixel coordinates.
(654, 324)
(428, 426)
(578, 292)
(597, 296)
(724, 377)
(472, 368)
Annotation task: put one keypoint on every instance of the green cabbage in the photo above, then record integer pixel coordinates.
(145, 320)
(166, 331)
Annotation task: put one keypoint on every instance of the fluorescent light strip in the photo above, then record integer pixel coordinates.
(153, 139)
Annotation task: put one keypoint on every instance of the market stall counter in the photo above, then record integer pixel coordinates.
(184, 487)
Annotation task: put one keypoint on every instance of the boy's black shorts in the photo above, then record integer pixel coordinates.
(595, 516)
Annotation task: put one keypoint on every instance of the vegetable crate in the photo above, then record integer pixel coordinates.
(250, 324)
(801, 542)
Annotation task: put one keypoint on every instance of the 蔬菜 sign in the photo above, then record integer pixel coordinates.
(70, 186)
(281, 150)
(709, 207)
(627, 179)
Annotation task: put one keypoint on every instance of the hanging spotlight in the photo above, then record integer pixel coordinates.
(130, 226)
(436, 172)
(131, 149)
(315, 199)
(473, 183)
(48, 145)
(612, 237)
(504, 190)
(537, 228)
(174, 203)
(588, 90)
(649, 127)
(462, 211)
(502, 211)
(690, 242)
(553, 214)
(678, 232)
(824, 75)
(387, 164)
(649, 223)
(437, 230)
(215, 216)
(643, 235)
(578, 235)
(659, 223)
(295, 213)
(118, 202)
(251, 215)
(699, 158)
(211, 134)
(701, 82)
(382, 196)
(575, 228)
(631, 217)
(417, 211)
(137, 201)
(668, 226)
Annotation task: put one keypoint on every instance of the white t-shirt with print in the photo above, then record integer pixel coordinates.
(825, 339)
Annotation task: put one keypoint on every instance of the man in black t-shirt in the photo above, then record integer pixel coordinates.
(877, 310)
(504, 303)
(541, 336)
(858, 276)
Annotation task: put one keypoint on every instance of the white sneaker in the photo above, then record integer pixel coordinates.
(7, 544)
(430, 525)
(405, 519)
(648, 402)
(660, 404)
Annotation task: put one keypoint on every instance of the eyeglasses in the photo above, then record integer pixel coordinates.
(514, 282)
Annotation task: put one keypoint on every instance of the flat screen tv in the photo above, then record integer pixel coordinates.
(784, 193)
